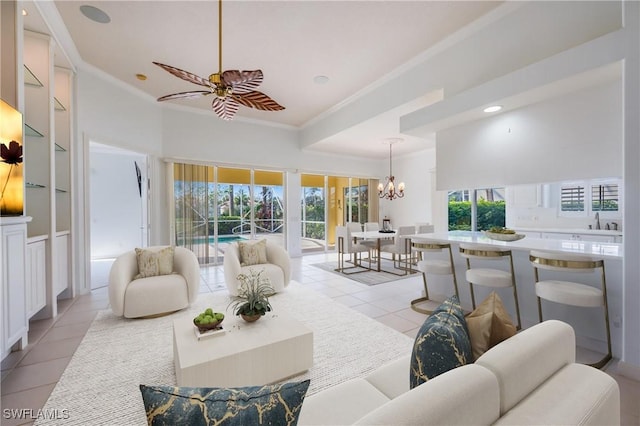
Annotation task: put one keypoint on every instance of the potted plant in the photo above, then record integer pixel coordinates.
(253, 296)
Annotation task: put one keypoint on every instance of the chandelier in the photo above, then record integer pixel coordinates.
(388, 190)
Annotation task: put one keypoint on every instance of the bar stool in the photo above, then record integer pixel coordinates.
(569, 292)
(345, 245)
(432, 266)
(489, 277)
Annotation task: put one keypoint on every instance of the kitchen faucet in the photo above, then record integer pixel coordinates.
(597, 220)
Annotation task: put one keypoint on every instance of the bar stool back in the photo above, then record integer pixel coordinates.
(432, 266)
(570, 292)
(490, 277)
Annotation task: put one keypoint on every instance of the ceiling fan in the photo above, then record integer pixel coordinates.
(231, 88)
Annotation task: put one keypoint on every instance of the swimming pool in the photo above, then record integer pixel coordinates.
(221, 239)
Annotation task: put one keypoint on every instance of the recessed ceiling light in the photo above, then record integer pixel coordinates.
(24, 12)
(95, 14)
(141, 77)
(320, 79)
(493, 108)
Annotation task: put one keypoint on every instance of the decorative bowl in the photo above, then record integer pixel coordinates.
(206, 327)
(503, 237)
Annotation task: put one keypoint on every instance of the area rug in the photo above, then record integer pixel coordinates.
(101, 383)
(367, 277)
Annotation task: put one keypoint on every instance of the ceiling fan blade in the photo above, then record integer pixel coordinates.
(185, 95)
(225, 108)
(242, 81)
(257, 100)
(185, 75)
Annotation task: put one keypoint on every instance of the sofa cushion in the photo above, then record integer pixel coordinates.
(488, 325)
(152, 262)
(526, 360)
(442, 343)
(390, 379)
(341, 404)
(468, 395)
(576, 395)
(278, 404)
(155, 295)
(252, 252)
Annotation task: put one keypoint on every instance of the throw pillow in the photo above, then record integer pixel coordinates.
(154, 262)
(489, 324)
(442, 343)
(252, 253)
(278, 404)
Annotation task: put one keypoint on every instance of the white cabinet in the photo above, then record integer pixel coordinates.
(579, 237)
(524, 196)
(36, 282)
(14, 296)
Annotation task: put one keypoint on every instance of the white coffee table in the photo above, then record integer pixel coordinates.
(247, 354)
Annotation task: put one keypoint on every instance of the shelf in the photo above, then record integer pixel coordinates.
(30, 131)
(61, 191)
(30, 79)
(33, 185)
(58, 105)
(59, 148)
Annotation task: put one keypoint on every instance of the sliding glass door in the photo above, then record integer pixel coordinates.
(215, 206)
(313, 207)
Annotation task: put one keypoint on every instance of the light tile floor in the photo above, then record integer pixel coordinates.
(29, 376)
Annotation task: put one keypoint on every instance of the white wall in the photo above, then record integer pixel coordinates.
(110, 114)
(577, 136)
(417, 171)
(204, 137)
(116, 203)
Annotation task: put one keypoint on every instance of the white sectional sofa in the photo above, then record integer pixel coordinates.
(529, 379)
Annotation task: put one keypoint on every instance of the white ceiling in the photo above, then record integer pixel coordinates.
(354, 43)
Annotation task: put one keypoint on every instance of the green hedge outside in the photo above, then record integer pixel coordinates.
(490, 213)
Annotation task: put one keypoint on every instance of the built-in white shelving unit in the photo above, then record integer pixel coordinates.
(48, 94)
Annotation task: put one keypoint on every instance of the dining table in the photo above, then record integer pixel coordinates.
(374, 235)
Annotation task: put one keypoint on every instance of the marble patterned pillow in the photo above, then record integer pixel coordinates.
(442, 343)
(154, 262)
(277, 404)
(252, 253)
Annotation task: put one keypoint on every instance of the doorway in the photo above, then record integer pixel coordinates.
(118, 206)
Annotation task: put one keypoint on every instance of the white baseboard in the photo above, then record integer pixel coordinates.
(629, 370)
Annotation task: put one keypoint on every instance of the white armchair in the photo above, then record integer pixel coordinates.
(155, 295)
(277, 268)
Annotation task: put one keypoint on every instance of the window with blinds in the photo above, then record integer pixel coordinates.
(585, 198)
(604, 198)
(572, 198)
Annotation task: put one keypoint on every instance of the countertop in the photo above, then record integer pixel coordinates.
(604, 250)
(615, 233)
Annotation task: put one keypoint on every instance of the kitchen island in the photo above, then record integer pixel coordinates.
(587, 322)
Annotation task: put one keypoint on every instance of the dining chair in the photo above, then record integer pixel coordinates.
(400, 248)
(346, 245)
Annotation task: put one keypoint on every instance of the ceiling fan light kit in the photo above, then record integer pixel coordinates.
(231, 88)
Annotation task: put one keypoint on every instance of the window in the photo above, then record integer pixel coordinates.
(604, 198)
(572, 198)
(588, 197)
(476, 210)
